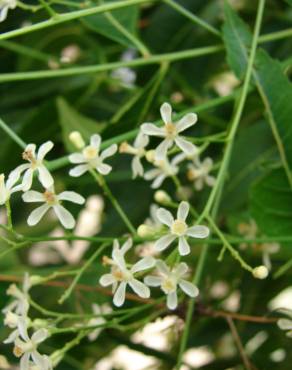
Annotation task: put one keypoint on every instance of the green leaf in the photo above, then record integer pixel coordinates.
(71, 120)
(273, 86)
(271, 201)
(105, 24)
(237, 38)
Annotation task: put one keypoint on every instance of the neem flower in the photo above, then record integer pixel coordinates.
(5, 5)
(178, 229)
(52, 200)
(171, 132)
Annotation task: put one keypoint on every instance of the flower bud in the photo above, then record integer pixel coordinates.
(144, 231)
(35, 280)
(150, 156)
(260, 272)
(162, 197)
(76, 139)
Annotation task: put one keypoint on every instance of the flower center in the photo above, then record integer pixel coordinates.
(120, 275)
(50, 197)
(179, 227)
(170, 129)
(90, 152)
(17, 351)
(27, 155)
(168, 285)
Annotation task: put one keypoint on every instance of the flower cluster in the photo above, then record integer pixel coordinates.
(123, 274)
(172, 140)
(21, 179)
(16, 318)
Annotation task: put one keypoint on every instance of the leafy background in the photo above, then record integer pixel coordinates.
(259, 178)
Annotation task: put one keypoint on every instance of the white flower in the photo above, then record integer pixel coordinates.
(26, 348)
(99, 311)
(12, 321)
(199, 173)
(163, 169)
(169, 279)
(35, 164)
(6, 189)
(126, 75)
(20, 304)
(5, 5)
(171, 132)
(138, 151)
(178, 229)
(286, 324)
(121, 275)
(90, 158)
(53, 201)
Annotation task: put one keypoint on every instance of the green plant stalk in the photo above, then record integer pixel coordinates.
(153, 59)
(102, 183)
(222, 172)
(12, 134)
(90, 260)
(9, 217)
(66, 17)
(192, 17)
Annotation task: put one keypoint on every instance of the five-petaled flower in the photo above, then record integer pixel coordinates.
(120, 275)
(92, 158)
(35, 163)
(169, 280)
(20, 302)
(5, 5)
(199, 173)
(178, 229)
(52, 200)
(171, 132)
(138, 151)
(26, 347)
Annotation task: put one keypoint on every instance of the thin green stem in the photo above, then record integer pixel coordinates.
(9, 216)
(198, 21)
(49, 9)
(102, 183)
(74, 71)
(12, 134)
(222, 171)
(90, 260)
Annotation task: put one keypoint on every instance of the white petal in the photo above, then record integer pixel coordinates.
(24, 362)
(187, 121)
(78, 170)
(144, 264)
(164, 242)
(183, 246)
(65, 217)
(199, 184)
(137, 167)
(153, 280)
(126, 246)
(44, 149)
(37, 214)
(183, 211)
(189, 288)
(3, 13)
(120, 294)
(11, 338)
(111, 150)
(285, 324)
(95, 141)
(198, 231)
(151, 174)
(27, 179)
(210, 180)
(172, 300)
(139, 288)
(40, 335)
(152, 130)
(164, 216)
(32, 196)
(162, 267)
(161, 150)
(186, 146)
(71, 196)
(39, 360)
(76, 158)
(103, 168)
(22, 328)
(141, 140)
(119, 259)
(45, 177)
(106, 280)
(158, 181)
(15, 174)
(181, 269)
(165, 111)
(31, 148)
